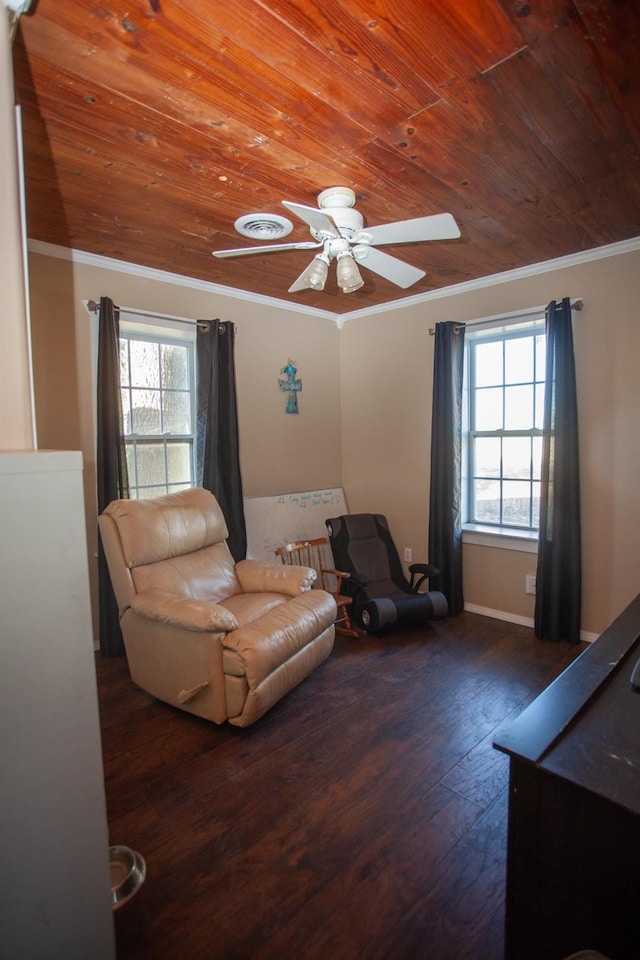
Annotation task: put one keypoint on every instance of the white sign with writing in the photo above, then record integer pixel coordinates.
(274, 521)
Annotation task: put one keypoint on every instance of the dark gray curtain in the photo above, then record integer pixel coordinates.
(112, 478)
(559, 572)
(218, 454)
(445, 518)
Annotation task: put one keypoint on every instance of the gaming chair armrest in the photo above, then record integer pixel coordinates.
(422, 571)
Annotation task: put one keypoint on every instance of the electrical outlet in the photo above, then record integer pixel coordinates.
(530, 584)
(407, 554)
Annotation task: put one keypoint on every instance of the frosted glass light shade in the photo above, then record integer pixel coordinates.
(317, 273)
(349, 279)
(314, 276)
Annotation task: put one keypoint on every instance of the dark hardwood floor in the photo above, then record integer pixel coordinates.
(363, 817)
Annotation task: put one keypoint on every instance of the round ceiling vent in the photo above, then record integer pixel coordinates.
(263, 226)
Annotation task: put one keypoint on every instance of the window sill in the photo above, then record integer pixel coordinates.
(503, 539)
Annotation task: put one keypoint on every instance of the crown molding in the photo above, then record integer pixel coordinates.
(519, 273)
(178, 279)
(150, 273)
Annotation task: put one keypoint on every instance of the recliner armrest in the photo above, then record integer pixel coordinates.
(255, 576)
(200, 615)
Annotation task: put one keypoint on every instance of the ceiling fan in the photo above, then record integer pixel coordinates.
(338, 229)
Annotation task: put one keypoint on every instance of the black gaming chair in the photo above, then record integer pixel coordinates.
(382, 595)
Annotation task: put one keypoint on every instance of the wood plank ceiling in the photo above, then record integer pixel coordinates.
(151, 125)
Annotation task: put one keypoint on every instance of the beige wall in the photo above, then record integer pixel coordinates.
(387, 361)
(16, 428)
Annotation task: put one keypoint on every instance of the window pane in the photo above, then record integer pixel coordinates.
(518, 408)
(488, 364)
(535, 504)
(541, 356)
(145, 371)
(518, 360)
(157, 379)
(126, 411)
(131, 464)
(179, 463)
(174, 487)
(536, 458)
(175, 367)
(177, 412)
(516, 457)
(539, 406)
(487, 457)
(506, 407)
(124, 363)
(488, 409)
(145, 416)
(486, 497)
(147, 493)
(150, 461)
(515, 502)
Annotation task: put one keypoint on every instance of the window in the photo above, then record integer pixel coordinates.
(504, 377)
(157, 380)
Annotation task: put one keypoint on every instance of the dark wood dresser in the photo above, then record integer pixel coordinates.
(573, 851)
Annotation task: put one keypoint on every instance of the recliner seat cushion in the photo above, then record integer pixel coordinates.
(247, 607)
(264, 644)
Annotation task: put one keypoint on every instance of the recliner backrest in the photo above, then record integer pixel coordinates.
(175, 543)
(168, 526)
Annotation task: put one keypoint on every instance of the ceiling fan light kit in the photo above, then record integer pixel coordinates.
(339, 229)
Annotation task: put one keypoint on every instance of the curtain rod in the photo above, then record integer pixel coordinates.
(577, 304)
(93, 306)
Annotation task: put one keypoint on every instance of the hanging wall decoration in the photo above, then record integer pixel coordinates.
(290, 385)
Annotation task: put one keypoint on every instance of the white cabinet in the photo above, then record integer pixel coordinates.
(54, 844)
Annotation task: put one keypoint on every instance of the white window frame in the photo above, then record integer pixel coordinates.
(156, 330)
(501, 536)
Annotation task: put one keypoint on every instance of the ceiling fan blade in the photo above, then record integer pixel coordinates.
(440, 226)
(267, 248)
(314, 217)
(300, 284)
(397, 271)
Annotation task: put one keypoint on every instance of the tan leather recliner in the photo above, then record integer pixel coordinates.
(220, 639)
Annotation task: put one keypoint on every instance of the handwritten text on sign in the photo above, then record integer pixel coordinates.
(273, 521)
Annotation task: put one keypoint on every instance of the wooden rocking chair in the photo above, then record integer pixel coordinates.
(314, 554)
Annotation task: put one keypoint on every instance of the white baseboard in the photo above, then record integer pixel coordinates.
(515, 618)
(499, 615)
